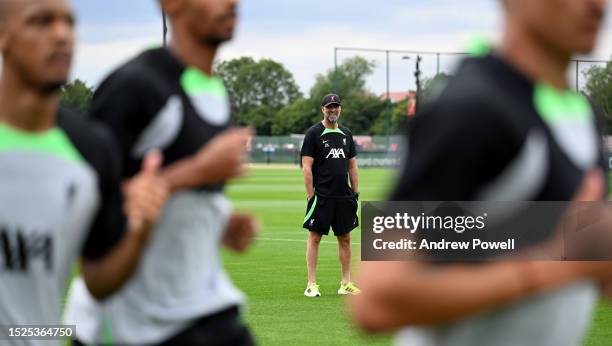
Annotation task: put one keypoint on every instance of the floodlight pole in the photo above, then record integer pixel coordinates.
(165, 26)
(406, 57)
(388, 104)
(334, 84)
(417, 76)
(577, 75)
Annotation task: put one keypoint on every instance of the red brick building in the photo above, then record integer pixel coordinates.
(399, 96)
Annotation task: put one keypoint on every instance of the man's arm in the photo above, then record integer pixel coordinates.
(219, 160)
(308, 180)
(120, 103)
(145, 196)
(396, 294)
(240, 232)
(105, 276)
(354, 174)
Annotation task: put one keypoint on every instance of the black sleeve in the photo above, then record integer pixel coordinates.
(126, 103)
(352, 151)
(97, 145)
(110, 223)
(115, 103)
(310, 145)
(453, 150)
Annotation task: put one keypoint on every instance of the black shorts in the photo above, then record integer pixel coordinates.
(340, 214)
(221, 329)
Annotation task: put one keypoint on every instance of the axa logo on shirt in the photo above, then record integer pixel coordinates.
(19, 249)
(335, 153)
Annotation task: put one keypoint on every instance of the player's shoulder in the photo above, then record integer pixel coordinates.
(91, 138)
(487, 81)
(471, 85)
(482, 90)
(345, 130)
(144, 71)
(316, 129)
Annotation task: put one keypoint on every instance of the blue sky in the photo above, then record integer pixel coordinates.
(302, 34)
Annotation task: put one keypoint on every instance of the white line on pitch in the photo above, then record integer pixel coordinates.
(301, 241)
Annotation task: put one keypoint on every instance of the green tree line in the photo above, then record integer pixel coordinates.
(264, 95)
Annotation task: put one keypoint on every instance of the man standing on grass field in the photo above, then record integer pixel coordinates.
(329, 162)
(169, 98)
(60, 182)
(507, 128)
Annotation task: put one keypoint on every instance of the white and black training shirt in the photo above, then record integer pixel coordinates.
(59, 199)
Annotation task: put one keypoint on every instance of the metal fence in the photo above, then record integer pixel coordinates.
(395, 69)
(372, 151)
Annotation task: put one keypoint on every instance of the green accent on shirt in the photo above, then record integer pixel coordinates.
(556, 105)
(336, 130)
(106, 336)
(53, 141)
(196, 82)
(479, 46)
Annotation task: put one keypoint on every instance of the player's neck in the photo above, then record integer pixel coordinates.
(533, 58)
(192, 52)
(24, 107)
(329, 125)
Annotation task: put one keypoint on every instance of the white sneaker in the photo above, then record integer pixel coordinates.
(312, 290)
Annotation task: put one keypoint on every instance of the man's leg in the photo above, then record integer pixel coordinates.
(312, 253)
(344, 253)
(345, 220)
(317, 221)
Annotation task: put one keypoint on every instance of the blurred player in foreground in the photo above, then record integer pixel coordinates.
(60, 183)
(506, 128)
(168, 98)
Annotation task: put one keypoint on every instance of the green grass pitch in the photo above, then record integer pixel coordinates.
(273, 272)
